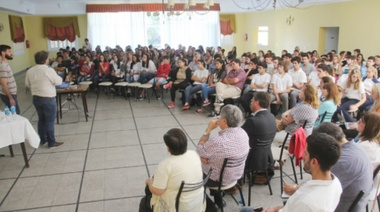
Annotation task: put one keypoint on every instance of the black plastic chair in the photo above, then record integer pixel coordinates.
(259, 160)
(188, 187)
(355, 202)
(229, 163)
(375, 173)
(323, 117)
(291, 157)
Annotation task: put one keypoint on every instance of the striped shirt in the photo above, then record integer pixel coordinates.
(232, 143)
(6, 72)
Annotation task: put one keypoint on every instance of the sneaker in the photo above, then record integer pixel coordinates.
(141, 98)
(186, 107)
(171, 105)
(205, 103)
(57, 144)
(169, 85)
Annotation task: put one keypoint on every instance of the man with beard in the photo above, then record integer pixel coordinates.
(8, 88)
(322, 192)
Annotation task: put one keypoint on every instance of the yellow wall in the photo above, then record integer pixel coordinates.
(19, 62)
(36, 37)
(34, 33)
(356, 21)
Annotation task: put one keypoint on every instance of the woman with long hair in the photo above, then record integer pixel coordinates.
(179, 79)
(369, 132)
(331, 98)
(306, 111)
(209, 88)
(148, 70)
(353, 95)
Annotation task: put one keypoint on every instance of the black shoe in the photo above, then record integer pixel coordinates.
(42, 143)
(56, 144)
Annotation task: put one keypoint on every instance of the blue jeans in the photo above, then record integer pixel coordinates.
(5, 99)
(189, 90)
(145, 77)
(46, 109)
(344, 108)
(207, 91)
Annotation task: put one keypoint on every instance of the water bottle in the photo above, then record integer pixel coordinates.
(7, 113)
(13, 110)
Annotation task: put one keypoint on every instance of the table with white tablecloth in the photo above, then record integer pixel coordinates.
(16, 130)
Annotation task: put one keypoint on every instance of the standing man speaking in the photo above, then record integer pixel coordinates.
(8, 88)
(42, 80)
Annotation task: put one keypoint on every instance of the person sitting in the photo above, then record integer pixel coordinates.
(322, 192)
(281, 85)
(260, 82)
(353, 169)
(232, 84)
(232, 142)
(179, 79)
(298, 79)
(216, 76)
(161, 76)
(331, 98)
(250, 72)
(86, 69)
(148, 69)
(368, 83)
(306, 111)
(104, 70)
(260, 127)
(117, 72)
(199, 77)
(181, 165)
(354, 95)
(369, 136)
(59, 67)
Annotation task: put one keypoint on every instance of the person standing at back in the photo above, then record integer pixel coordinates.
(8, 88)
(42, 80)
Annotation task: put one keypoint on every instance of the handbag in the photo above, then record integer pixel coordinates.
(145, 201)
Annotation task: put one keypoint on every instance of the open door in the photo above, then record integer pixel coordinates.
(328, 39)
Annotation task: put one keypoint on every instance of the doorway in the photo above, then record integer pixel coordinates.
(328, 39)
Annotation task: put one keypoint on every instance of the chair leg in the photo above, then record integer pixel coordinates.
(270, 187)
(301, 170)
(294, 170)
(281, 178)
(249, 187)
(11, 150)
(241, 194)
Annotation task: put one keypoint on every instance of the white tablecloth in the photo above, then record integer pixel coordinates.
(18, 130)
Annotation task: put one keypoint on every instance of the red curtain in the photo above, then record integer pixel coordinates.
(225, 28)
(61, 33)
(17, 29)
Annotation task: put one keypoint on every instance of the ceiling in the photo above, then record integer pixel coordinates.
(77, 7)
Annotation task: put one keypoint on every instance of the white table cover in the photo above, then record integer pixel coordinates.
(16, 130)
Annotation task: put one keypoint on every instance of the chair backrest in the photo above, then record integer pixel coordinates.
(323, 117)
(188, 187)
(355, 202)
(376, 171)
(227, 163)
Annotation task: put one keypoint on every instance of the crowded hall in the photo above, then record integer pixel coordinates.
(189, 106)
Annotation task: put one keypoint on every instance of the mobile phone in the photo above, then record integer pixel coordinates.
(258, 209)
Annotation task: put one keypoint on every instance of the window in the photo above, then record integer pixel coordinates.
(227, 40)
(54, 46)
(262, 36)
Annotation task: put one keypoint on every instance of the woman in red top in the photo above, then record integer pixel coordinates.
(161, 76)
(86, 69)
(103, 70)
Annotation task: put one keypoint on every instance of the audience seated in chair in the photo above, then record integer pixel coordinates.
(306, 111)
(232, 84)
(232, 142)
(260, 82)
(281, 84)
(323, 192)
(298, 79)
(261, 129)
(182, 165)
(330, 94)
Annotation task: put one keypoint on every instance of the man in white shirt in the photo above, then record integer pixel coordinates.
(42, 80)
(322, 192)
(298, 78)
(260, 82)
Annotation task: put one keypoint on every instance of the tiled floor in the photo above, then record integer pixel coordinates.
(104, 162)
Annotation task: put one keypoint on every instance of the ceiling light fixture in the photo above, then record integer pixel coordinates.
(260, 5)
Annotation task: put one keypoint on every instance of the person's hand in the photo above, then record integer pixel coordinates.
(148, 181)
(354, 126)
(289, 189)
(279, 101)
(12, 101)
(204, 160)
(212, 125)
(353, 107)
